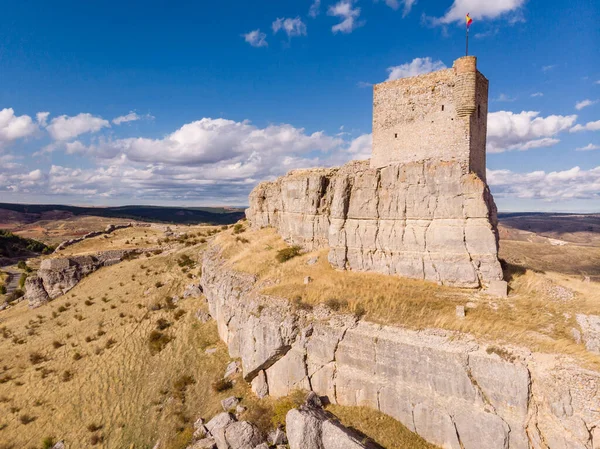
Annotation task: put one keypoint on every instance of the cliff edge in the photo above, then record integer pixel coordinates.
(424, 220)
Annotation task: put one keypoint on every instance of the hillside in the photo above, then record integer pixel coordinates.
(178, 215)
(12, 245)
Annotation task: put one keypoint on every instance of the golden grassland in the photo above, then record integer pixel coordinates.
(88, 367)
(539, 312)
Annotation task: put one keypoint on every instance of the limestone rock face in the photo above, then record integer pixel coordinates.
(57, 276)
(443, 385)
(590, 328)
(420, 220)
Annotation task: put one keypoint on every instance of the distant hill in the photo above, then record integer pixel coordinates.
(12, 245)
(176, 215)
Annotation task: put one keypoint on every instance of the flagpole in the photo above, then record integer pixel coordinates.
(467, 50)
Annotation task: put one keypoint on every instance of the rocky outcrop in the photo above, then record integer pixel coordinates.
(311, 427)
(109, 229)
(421, 220)
(57, 276)
(590, 330)
(452, 390)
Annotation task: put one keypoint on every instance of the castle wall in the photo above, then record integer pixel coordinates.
(421, 220)
(439, 116)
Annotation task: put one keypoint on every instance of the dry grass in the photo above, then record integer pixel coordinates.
(534, 314)
(113, 381)
(384, 430)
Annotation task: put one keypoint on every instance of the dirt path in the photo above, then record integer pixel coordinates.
(12, 282)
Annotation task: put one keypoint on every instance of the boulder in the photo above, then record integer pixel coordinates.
(590, 331)
(232, 369)
(59, 445)
(192, 291)
(243, 435)
(35, 292)
(205, 443)
(230, 403)
(220, 421)
(259, 385)
(277, 437)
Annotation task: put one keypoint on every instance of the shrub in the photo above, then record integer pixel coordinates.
(57, 344)
(22, 280)
(110, 343)
(26, 419)
(336, 304)
(238, 228)
(93, 427)
(67, 376)
(300, 305)
(284, 405)
(221, 385)
(288, 253)
(77, 356)
(48, 443)
(22, 265)
(2, 289)
(87, 302)
(62, 309)
(158, 284)
(242, 240)
(36, 358)
(157, 341)
(18, 293)
(162, 324)
(96, 438)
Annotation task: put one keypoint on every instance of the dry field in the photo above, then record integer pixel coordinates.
(539, 312)
(52, 228)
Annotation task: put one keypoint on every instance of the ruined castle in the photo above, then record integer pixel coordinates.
(420, 208)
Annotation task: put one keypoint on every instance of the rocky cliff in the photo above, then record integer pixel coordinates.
(421, 220)
(452, 390)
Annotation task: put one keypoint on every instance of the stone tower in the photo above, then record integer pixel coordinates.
(439, 116)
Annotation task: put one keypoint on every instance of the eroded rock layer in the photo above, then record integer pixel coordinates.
(452, 390)
(421, 220)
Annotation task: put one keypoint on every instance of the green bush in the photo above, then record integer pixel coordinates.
(2, 289)
(285, 254)
(22, 280)
(238, 228)
(48, 443)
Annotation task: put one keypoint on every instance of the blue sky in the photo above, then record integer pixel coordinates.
(193, 103)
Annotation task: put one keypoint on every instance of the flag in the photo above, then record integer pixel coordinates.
(469, 21)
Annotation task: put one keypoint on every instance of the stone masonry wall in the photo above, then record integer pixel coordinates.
(452, 390)
(437, 116)
(420, 220)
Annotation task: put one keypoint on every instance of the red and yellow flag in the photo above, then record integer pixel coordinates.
(469, 20)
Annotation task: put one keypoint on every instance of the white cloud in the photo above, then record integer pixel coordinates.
(565, 185)
(42, 118)
(547, 68)
(478, 10)
(508, 131)
(537, 94)
(315, 9)
(588, 147)
(584, 104)
(597, 82)
(349, 15)
(210, 160)
(131, 117)
(66, 128)
(14, 127)
(503, 98)
(589, 126)
(395, 4)
(417, 66)
(292, 27)
(256, 38)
